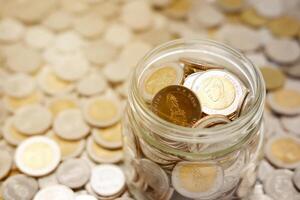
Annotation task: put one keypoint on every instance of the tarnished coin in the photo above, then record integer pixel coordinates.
(285, 101)
(177, 104)
(107, 180)
(70, 125)
(102, 111)
(46, 154)
(291, 124)
(32, 119)
(279, 185)
(19, 85)
(154, 176)
(73, 173)
(283, 151)
(211, 121)
(110, 137)
(102, 155)
(296, 178)
(218, 91)
(196, 179)
(19, 187)
(6, 163)
(59, 192)
(274, 78)
(68, 148)
(159, 78)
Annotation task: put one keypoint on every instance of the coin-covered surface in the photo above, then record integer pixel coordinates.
(177, 104)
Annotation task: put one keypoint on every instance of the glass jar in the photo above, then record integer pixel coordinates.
(231, 152)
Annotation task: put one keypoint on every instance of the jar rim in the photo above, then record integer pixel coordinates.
(186, 133)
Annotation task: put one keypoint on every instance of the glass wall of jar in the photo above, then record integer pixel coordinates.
(167, 161)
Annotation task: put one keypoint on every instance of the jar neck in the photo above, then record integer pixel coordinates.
(237, 130)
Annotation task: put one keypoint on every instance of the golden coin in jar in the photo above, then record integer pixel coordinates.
(177, 104)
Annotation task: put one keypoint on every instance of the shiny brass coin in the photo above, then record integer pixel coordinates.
(274, 78)
(284, 26)
(177, 104)
(197, 64)
(211, 121)
(250, 17)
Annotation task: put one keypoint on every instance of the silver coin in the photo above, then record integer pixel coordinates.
(73, 173)
(19, 187)
(6, 162)
(279, 185)
(190, 79)
(291, 124)
(296, 178)
(264, 170)
(293, 70)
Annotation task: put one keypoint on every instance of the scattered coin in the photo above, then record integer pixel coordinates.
(268, 8)
(118, 35)
(58, 20)
(38, 37)
(70, 125)
(55, 192)
(274, 78)
(102, 111)
(107, 180)
(102, 155)
(251, 17)
(177, 104)
(19, 85)
(296, 178)
(73, 173)
(61, 103)
(285, 101)
(279, 185)
(6, 162)
(291, 124)
(293, 70)
(197, 180)
(11, 30)
(32, 119)
(159, 78)
(264, 170)
(116, 72)
(48, 180)
(284, 26)
(91, 84)
(85, 197)
(11, 134)
(283, 151)
(19, 187)
(231, 5)
(109, 137)
(46, 154)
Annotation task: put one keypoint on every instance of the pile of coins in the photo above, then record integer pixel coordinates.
(194, 93)
(64, 70)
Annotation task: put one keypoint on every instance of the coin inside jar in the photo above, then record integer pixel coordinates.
(177, 104)
(211, 121)
(218, 91)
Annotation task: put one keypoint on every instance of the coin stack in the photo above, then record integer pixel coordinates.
(64, 70)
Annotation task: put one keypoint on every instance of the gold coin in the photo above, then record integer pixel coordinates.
(287, 98)
(251, 18)
(284, 26)
(273, 77)
(230, 5)
(177, 104)
(178, 8)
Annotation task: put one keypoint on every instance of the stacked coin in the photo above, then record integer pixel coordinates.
(64, 74)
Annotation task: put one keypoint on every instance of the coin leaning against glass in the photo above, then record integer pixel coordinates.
(177, 104)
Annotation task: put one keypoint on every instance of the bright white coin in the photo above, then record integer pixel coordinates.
(51, 84)
(107, 180)
(283, 151)
(11, 30)
(101, 155)
(116, 72)
(32, 119)
(38, 37)
(72, 68)
(19, 85)
(137, 15)
(6, 162)
(102, 111)
(92, 84)
(90, 25)
(58, 20)
(291, 124)
(277, 50)
(48, 180)
(269, 8)
(11, 134)
(279, 185)
(19, 187)
(56, 192)
(110, 137)
(195, 180)
(73, 173)
(118, 35)
(46, 154)
(100, 52)
(24, 59)
(70, 125)
(85, 197)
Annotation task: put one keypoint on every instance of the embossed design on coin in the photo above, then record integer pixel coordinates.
(177, 104)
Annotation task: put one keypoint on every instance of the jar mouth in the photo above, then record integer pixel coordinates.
(181, 133)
